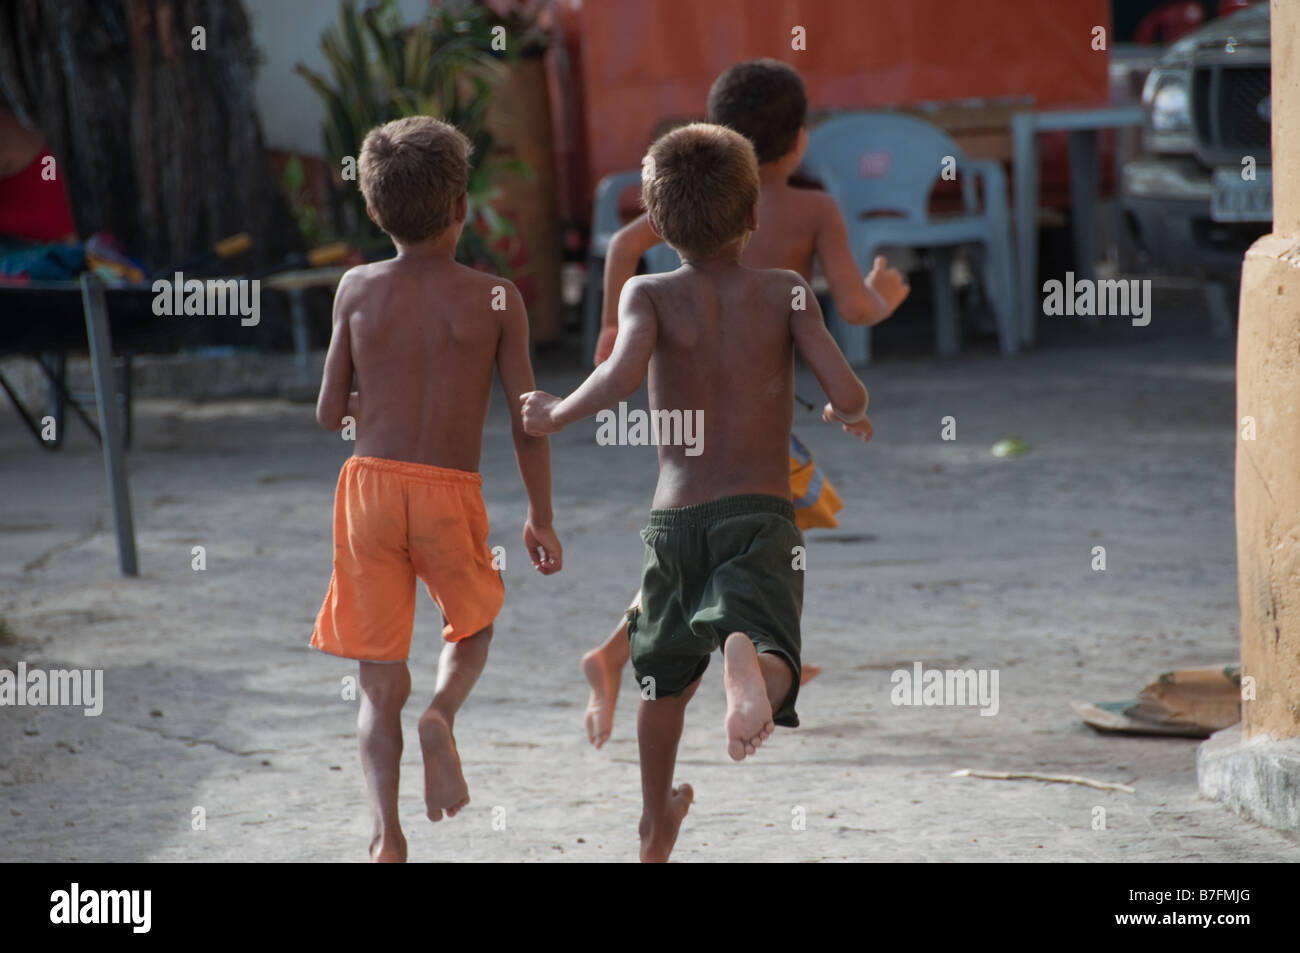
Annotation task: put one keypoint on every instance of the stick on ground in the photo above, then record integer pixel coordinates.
(1034, 776)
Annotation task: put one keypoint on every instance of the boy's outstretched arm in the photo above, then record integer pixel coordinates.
(533, 453)
(858, 300)
(625, 249)
(613, 380)
(848, 396)
(336, 399)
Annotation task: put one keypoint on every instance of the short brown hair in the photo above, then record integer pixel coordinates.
(412, 171)
(764, 101)
(699, 184)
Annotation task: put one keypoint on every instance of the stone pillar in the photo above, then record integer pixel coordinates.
(1255, 769)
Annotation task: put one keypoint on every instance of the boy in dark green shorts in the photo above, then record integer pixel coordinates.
(723, 566)
(710, 570)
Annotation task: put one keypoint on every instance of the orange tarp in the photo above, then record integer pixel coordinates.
(645, 61)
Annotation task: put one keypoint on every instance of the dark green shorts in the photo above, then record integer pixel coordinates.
(710, 570)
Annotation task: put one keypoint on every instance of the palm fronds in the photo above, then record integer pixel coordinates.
(381, 70)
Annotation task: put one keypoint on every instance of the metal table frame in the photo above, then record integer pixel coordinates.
(1083, 124)
(101, 362)
(111, 429)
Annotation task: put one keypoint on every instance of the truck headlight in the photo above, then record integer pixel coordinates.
(1167, 99)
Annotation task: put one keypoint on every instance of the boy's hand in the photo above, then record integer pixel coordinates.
(861, 429)
(537, 408)
(605, 344)
(543, 548)
(888, 285)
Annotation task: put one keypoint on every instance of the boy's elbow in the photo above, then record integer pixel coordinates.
(620, 243)
(624, 381)
(625, 251)
(331, 418)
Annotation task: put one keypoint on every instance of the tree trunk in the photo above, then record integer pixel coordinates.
(159, 142)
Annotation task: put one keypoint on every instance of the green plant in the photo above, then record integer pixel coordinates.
(310, 226)
(381, 71)
(476, 21)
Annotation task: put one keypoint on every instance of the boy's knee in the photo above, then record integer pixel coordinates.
(478, 635)
(385, 685)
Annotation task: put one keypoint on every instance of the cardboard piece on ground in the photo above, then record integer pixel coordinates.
(1190, 703)
(1113, 718)
(1208, 696)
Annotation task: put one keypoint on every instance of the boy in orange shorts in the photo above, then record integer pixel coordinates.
(763, 100)
(422, 334)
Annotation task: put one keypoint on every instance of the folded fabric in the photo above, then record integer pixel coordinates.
(44, 262)
(64, 262)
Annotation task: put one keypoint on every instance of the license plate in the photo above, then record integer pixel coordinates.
(1234, 199)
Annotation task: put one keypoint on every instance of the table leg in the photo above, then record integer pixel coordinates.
(1025, 149)
(298, 321)
(110, 421)
(1085, 194)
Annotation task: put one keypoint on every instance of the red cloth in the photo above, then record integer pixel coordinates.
(1166, 24)
(35, 208)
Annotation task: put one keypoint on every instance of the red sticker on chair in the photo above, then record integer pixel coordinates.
(873, 165)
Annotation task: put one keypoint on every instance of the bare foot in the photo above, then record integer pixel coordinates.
(808, 673)
(388, 848)
(658, 835)
(444, 785)
(603, 676)
(749, 713)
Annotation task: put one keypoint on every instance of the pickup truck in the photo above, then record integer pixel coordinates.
(1202, 191)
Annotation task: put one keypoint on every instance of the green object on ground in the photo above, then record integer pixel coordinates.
(1010, 447)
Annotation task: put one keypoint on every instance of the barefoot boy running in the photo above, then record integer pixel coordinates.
(764, 100)
(422, 334)
(718, 339)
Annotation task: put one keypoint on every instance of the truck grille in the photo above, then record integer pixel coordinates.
(1225, 113)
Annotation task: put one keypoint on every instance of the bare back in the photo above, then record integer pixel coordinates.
(723, 348)
(424, 339)
(788, 224)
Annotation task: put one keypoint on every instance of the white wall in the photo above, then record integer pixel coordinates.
(287, 32)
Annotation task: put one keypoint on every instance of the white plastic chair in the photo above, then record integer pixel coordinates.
(605, 221)
(874, 162)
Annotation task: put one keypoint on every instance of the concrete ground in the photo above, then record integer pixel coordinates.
(216, 710)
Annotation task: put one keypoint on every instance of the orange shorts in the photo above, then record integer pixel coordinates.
(394, 521)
